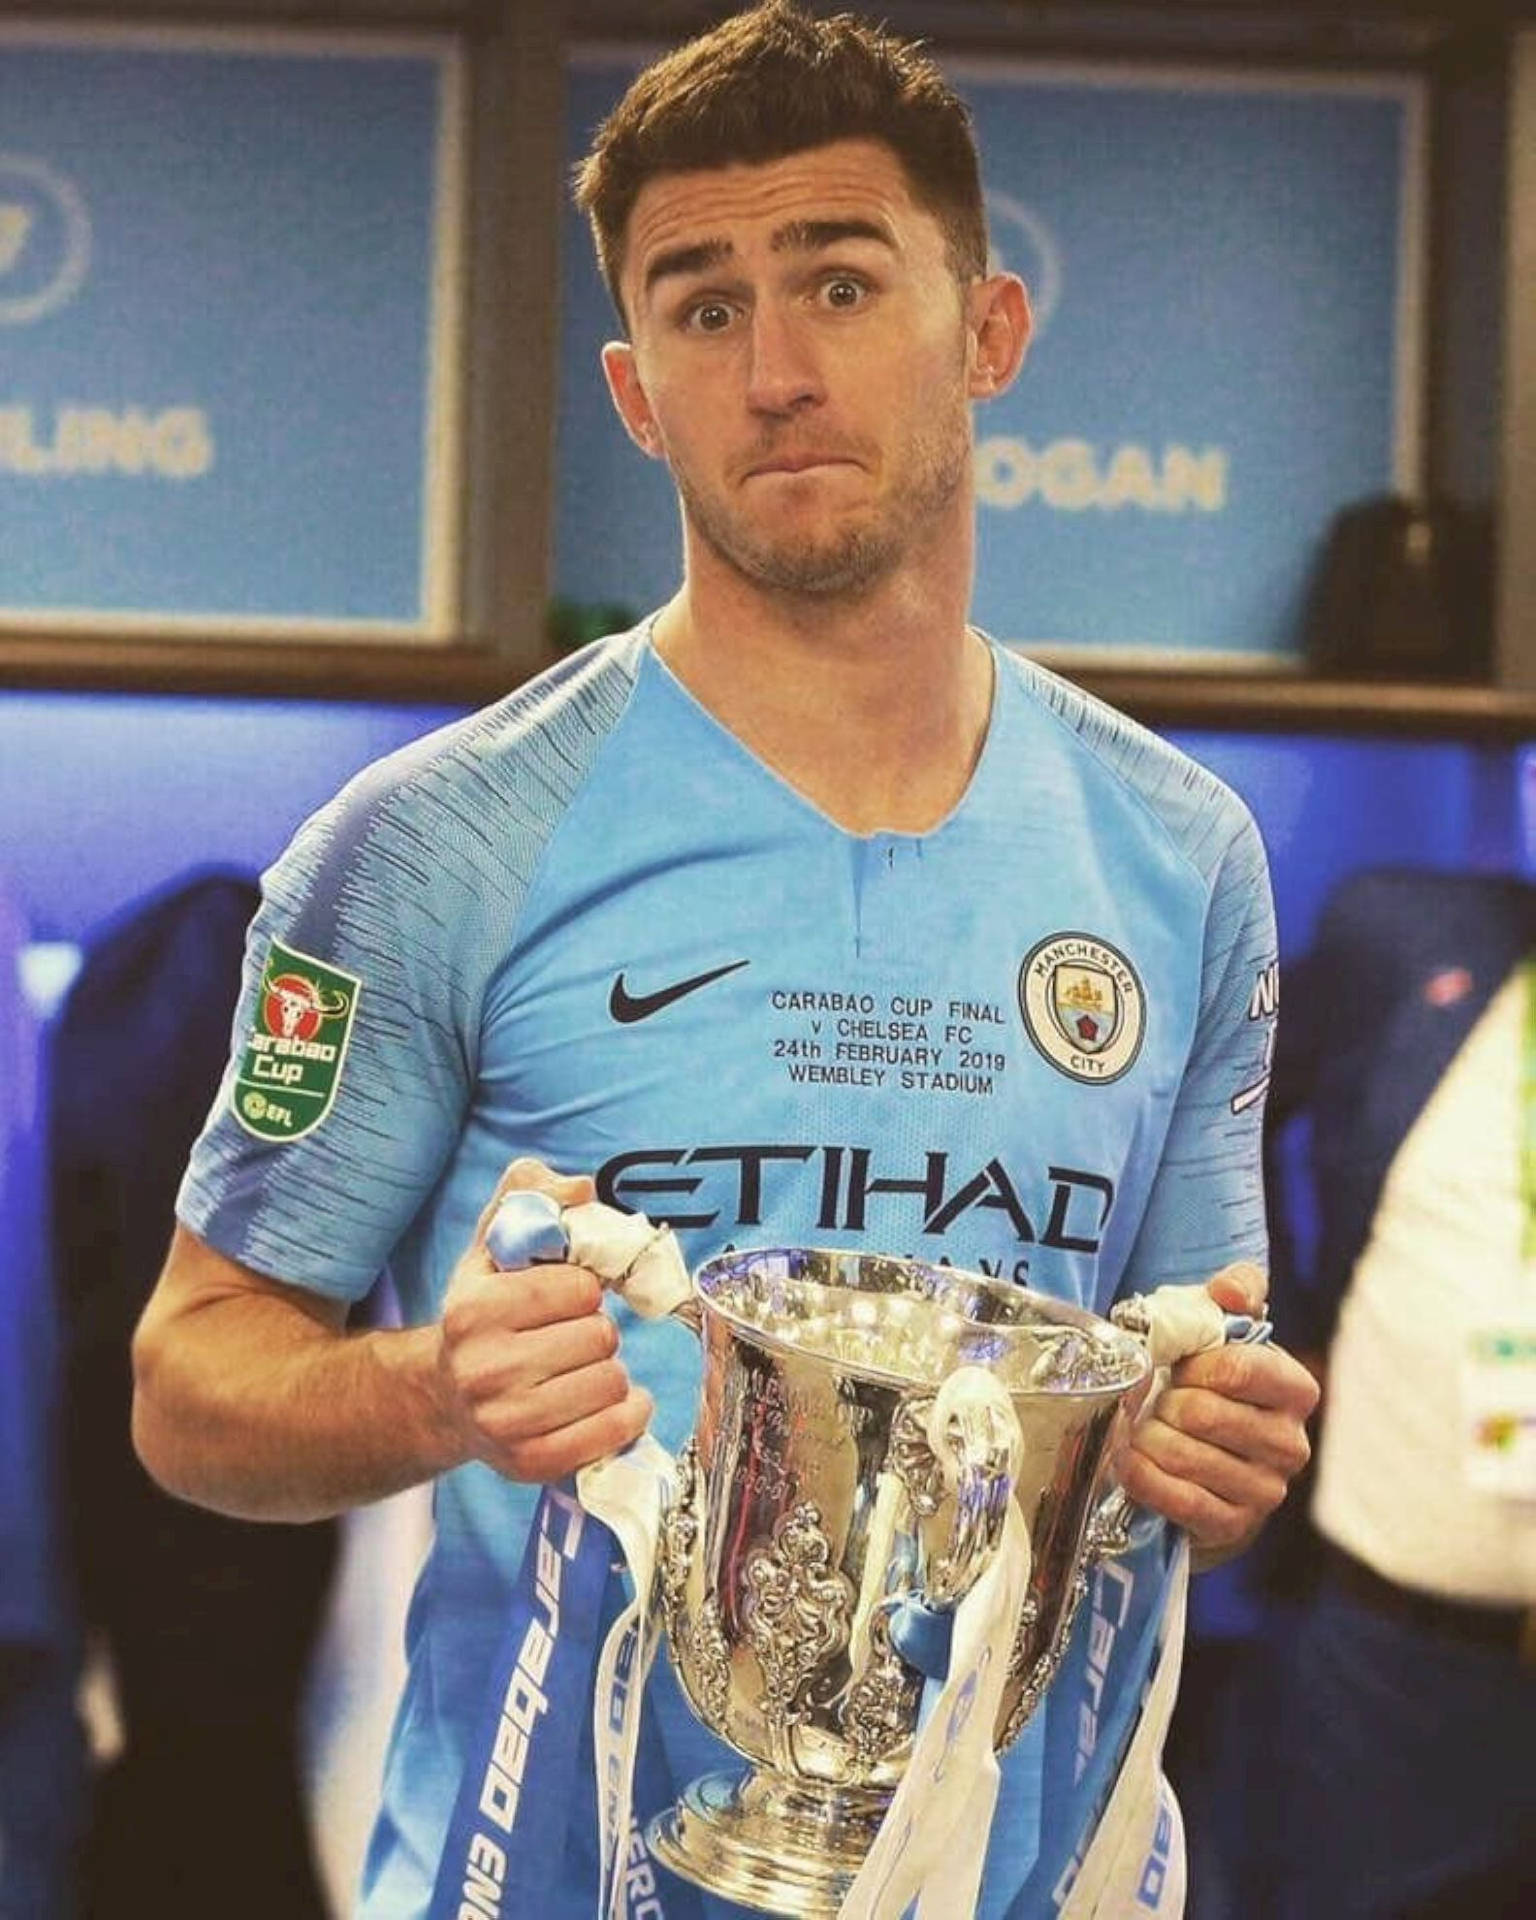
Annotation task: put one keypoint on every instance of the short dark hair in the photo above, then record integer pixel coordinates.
(774, 81)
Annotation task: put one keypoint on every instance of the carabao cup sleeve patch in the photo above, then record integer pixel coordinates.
(293, 1057)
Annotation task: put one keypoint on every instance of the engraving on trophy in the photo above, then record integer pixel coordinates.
(766, 1428)
(800, 1405)
(770, 1409)
(764, 1477)
(879, 1710)
(796, 1612)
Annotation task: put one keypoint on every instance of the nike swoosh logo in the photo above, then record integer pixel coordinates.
(627, 1007)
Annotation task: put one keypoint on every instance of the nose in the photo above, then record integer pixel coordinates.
(783, 376)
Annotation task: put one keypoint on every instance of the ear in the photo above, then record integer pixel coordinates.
(628, 396)
(1000, 325)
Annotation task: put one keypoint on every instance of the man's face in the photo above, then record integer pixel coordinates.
(800, 359)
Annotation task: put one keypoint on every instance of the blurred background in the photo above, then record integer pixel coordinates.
(304, 451)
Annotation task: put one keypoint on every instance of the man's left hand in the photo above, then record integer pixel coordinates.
(1227, 1435)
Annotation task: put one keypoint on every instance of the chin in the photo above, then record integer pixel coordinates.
(827, 572)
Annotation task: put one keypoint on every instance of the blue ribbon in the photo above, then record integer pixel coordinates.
(922, 1636)
(521, 1791)
(523, 1835)
(525, 1228)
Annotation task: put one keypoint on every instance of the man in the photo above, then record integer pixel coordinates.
(1405, 1747)
(801, 914)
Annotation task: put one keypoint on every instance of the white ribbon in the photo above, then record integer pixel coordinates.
(1112, 1880)
(933, 1839)
(1181, 1321)
(628, 1493)
(643, 1261)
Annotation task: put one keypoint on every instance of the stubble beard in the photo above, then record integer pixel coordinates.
(856, 555)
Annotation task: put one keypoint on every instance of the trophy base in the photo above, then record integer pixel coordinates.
(786, 1847)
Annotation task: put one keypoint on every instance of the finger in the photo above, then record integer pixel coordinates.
(1211, 1522)
(1259, 1376)
(553, 1455)
(532, 1297)
(522, 1413)
(1268, 1438)
(498, 1362)
(1249, 1481)
(1240, 1288)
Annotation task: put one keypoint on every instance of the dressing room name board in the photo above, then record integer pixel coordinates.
(230, 330)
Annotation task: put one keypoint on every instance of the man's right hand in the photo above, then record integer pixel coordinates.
(251, 1395)
(527, 1361)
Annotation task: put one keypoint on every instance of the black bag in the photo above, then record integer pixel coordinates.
(1404, 590)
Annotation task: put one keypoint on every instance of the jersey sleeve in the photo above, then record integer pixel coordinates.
(1207, 1202)
(352, 1049)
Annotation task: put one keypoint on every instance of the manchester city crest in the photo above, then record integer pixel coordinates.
(1082, 1005)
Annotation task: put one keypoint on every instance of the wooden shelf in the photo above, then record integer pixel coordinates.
(272, 669)
(1306, 703)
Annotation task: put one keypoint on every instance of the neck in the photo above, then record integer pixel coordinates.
(873, 706)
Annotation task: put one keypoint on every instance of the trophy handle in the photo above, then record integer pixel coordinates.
(974, 1434)
(1109, 1527)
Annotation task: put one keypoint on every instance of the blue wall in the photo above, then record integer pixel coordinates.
(1329, 806)
(104, 797)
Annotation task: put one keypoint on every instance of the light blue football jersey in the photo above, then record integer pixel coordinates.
(589, 926)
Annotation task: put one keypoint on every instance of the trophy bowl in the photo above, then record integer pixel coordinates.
(810, 1504)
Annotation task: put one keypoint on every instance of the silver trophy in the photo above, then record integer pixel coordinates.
(810, 1504)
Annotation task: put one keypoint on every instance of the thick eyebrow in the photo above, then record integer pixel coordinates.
(798, 236)
(812, 236)
(695, 259)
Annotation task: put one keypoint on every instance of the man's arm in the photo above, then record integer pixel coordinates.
(251, 1397)
(1218, 1450)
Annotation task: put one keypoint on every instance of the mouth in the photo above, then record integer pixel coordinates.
(800, 463)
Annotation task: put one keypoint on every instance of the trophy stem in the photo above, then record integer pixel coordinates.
(783, 1845)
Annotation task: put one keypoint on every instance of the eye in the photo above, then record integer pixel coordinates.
(708, 316)
(843, 292)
